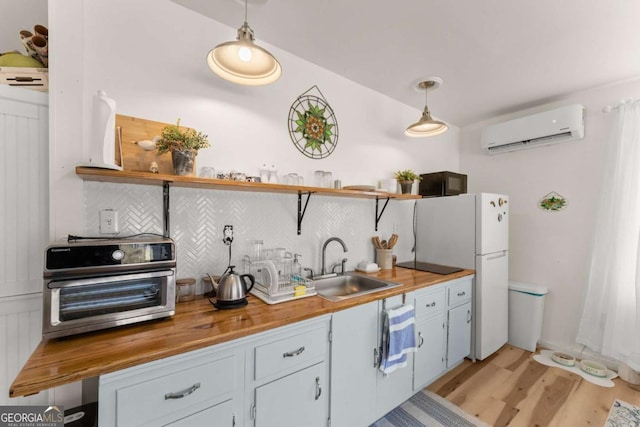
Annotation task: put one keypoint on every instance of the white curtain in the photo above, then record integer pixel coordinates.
(610, 322)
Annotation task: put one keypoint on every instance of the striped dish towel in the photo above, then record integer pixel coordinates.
(398, 337)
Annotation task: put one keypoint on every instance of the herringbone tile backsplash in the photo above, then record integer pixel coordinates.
(198, 216)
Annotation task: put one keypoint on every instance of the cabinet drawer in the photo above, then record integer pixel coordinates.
(170, 393)
(291, 353)
(221, 415)
(430, 303)
(459, 293)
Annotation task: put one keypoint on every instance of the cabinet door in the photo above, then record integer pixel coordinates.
(353, 365)
(396, 387)
(429, 360)
(296, 400)
(459, 334)
(219, 415)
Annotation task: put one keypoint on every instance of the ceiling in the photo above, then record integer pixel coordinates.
(494, 56)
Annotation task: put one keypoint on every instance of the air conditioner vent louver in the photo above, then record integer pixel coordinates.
(548, 127)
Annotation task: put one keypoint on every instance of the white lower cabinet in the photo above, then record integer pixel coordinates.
(173, 390)
(431, 337)
(319, 372)
(219, 415)
(459, 322)
(354, 357)
(299, 399)
(287, 376)
(360, 392)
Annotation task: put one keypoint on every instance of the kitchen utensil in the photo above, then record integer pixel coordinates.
(384, 244)
(392, 241)
(232, 290)
(376, 242)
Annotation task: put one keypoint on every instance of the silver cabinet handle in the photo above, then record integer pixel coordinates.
(433, 304)
(293, 353)
(461, 294)
(183, 393)
(469, 316)
(318, 388)
(421, 339)
(376, 360)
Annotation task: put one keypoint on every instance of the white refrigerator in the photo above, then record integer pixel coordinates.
(472, 231)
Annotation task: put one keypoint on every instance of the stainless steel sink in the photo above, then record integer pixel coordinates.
(341, 287)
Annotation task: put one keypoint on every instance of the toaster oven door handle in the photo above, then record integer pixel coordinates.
(55, 307)
(98, 280)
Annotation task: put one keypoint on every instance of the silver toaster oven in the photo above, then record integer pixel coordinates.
(100, 284)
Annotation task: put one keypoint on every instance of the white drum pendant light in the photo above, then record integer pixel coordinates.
(242, 61)
(427, 126)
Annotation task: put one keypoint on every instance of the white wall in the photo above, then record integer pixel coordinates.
(20, 15)
(156, 69)
(551, 249)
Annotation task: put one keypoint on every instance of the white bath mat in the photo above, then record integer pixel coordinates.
(545, 358)
(623, 414)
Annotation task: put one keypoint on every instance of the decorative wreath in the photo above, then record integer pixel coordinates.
(313, 127)
(553, 202)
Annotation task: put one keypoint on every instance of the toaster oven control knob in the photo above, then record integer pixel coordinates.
(117, 255)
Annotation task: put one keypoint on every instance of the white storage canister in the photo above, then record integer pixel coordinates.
(526, 309)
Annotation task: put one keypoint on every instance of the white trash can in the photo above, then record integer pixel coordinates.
(526, 308)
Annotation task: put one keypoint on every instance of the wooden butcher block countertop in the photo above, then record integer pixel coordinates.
(195, 325)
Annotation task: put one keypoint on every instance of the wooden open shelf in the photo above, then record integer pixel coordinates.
(166, 180)
(130, 177)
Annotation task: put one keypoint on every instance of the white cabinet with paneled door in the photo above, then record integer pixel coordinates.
(431, 336)
(394, 388)
(299, 399)
(360, 392)
(287, 376)
(460, 320)
(354, 357)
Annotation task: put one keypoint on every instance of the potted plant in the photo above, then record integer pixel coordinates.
(405, 179)
(183, 145)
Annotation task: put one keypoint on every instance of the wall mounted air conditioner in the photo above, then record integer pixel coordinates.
(548, 127)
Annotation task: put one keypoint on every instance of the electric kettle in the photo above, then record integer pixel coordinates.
(232, 290)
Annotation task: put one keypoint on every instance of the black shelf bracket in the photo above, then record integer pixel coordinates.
(378, 216)
(302, 210)
(165, 209)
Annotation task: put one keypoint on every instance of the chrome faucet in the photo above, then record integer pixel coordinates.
(324, 251)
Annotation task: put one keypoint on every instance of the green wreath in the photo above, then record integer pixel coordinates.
(314, 127)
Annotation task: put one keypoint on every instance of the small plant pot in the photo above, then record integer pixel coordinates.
(183, 161)
(405, 186)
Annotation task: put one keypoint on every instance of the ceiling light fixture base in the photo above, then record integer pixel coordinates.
(426, 83)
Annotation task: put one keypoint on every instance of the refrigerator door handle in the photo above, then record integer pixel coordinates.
(496, 255)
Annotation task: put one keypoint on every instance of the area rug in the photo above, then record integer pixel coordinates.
(623, 414)
(545, 358)
(428, 409)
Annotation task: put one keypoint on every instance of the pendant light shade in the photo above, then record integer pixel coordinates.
(427, 126)
(242, 61)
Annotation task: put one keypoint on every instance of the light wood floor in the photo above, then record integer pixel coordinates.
(509, 388)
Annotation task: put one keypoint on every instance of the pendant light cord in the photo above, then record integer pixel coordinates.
(245, 10)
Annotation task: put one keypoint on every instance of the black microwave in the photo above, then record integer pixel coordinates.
(442, 184)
